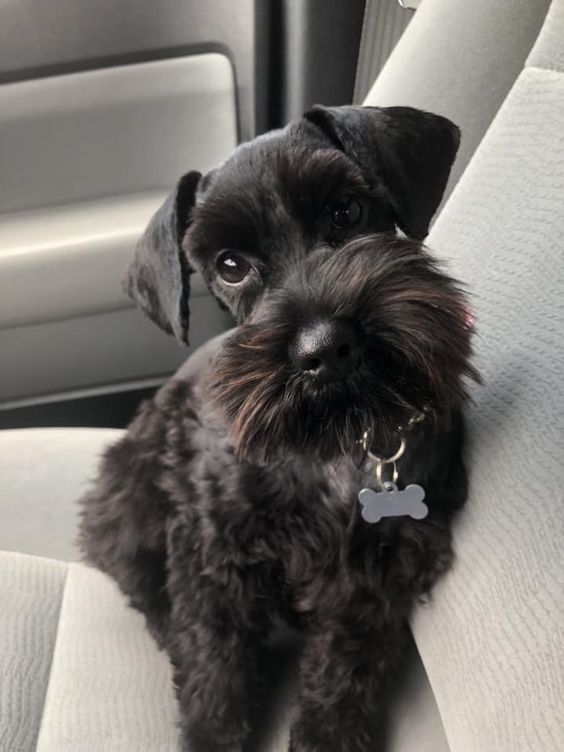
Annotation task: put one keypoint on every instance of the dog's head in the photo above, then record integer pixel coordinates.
(344, 325)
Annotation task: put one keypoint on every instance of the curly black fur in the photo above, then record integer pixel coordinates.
(230, 505)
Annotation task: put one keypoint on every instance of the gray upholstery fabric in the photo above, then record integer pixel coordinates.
(492, 643)
(79, 671)
(110, 689)
(548, 52)
(42, 474)
(31, 592)
(459, 59)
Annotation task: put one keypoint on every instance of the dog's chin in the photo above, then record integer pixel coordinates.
(278, 414)
(321, 427)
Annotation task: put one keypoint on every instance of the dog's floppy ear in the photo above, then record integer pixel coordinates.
(408, 151)
(158, 279)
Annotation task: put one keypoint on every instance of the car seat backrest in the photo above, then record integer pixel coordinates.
(492, 641)
(459, 59)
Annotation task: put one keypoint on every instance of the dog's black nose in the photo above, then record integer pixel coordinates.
(327, 350)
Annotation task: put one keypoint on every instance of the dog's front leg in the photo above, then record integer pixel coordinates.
(214, 647)
(344, 668)
(212, 677)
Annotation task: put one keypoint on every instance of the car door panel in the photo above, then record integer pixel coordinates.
(87, 158)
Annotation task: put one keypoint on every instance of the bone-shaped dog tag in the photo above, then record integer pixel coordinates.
(393, 503)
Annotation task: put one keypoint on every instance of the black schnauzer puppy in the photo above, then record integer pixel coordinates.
(232, 503)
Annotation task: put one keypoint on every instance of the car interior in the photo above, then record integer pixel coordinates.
(102, 107)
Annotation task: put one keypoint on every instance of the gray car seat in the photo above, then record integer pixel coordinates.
(78, 670)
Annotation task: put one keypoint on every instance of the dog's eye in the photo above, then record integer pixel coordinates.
(345, 213)
(232, 267)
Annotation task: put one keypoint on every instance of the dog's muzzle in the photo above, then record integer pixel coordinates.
(352, 338)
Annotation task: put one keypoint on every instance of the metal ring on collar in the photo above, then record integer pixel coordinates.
(384, 460)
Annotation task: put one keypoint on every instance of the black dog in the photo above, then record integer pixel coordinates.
(231, 504)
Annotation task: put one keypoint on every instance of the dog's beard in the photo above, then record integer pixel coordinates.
(416, 348)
